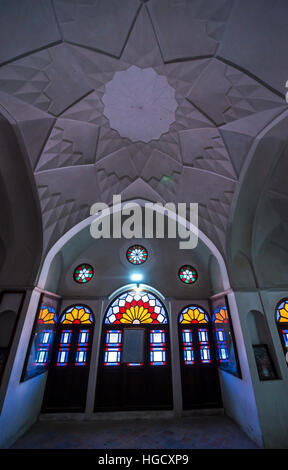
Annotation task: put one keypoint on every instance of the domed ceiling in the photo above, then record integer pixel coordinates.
(159, 100)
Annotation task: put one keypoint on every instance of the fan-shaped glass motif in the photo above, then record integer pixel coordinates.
(137, 254)
(187, 274)
(221, 315)
(193, 314)
(135, 308)
(47, 315)
(77, 315)
(282, 312)
(83, 273)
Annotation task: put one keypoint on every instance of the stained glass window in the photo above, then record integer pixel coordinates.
(285, 338)
(62, 358)
(83, 273)
(157, 348)
(82, 346)
(65, 340)
(77, 314)
(282, 321)
(187, 274)
(222, 349)
(204, 346)
(47, 315)
(220, 319)
(46, 339)
(195, 346)
(137, 254)
(193, 314)
(136, 307)
(188, 351)
(220, 315)
(282, 312)
(113, 343)
(39, 355)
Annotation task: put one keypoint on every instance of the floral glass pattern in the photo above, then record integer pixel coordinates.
(137, 254)
(83, 273)
(282, 312)
(77, 315)
(135, 307)
(187, 274)
(193, 314)
(221, 315)
(47, 316)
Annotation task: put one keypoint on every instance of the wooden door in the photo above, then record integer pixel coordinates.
(200, 381)
(67, 380)
(138, 378)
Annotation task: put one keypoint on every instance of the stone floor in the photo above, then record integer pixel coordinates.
(205, 432)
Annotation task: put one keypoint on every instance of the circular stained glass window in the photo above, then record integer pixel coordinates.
(137, 254)
(83, 273)
(188, 274)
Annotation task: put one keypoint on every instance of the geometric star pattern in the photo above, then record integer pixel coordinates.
(194, 159)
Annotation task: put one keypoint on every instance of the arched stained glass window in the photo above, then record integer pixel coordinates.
(193, 314)
(135, 359)
(220, 315)
(78, 314)
(135, 307)
(282, 324)
(39, 355)
(47, 316)
(67, 382)
(199, 375)
(73, 336)
(195, 339)
(220, 321)
(282, 312)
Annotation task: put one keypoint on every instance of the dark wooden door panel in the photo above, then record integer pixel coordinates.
(200, 382)
(125, 387)
(66, 387)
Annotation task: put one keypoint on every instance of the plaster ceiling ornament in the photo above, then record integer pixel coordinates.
(140, 104)
(133, 109)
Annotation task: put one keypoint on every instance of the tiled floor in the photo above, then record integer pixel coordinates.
(207, 432)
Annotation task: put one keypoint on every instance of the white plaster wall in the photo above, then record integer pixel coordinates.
(238, 394)
(272, 395)
(23, 400)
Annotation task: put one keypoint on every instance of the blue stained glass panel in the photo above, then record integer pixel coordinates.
(65, 337)
(222, 348)
(41, 357)
(81, 357)
(285, 336)
(62, 356)
(83, 337)
(158, 357)
(188, 356)
(112, 357)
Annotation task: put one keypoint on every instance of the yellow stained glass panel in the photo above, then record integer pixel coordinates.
(284, 314)
(193, 315)
(221, 315)
(77, 315)
(46, 315)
